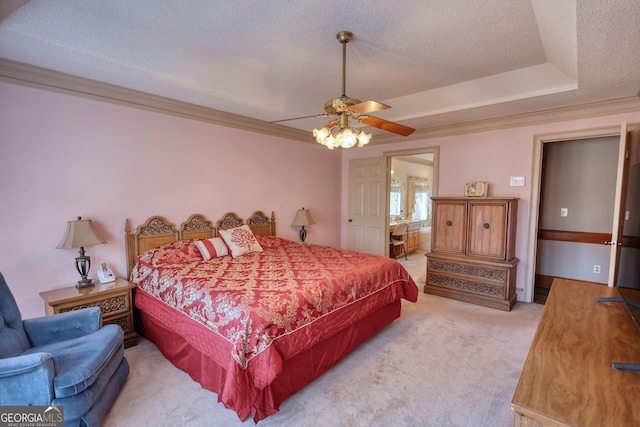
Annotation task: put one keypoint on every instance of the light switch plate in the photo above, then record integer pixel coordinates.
(516, 181)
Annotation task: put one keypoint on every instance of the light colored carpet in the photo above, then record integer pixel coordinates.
(442, 363)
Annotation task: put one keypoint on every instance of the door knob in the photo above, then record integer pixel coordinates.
(350, 220)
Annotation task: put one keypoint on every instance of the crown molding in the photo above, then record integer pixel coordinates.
(42, 78)
(32, 76)
(603, 108)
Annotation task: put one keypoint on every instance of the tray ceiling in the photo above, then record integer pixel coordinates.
(438, 64)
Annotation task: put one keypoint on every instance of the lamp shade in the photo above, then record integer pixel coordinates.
(303, 217)
(80, 233)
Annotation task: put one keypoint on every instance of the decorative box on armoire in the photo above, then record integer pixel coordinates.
(472, 254)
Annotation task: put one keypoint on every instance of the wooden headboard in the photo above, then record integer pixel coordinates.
(158, 231)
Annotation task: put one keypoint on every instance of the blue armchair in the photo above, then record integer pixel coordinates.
(64, 360)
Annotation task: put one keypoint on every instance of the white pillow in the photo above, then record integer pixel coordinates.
(212, 248)
(240, 240)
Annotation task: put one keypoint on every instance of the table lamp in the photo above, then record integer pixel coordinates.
(303, 217)
(81, 233)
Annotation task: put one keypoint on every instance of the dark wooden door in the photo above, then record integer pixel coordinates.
(449, 226)
(487, 229)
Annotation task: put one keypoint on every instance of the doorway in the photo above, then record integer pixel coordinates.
(369, 194)
(412, 180)
(575, 213)
(578, 212)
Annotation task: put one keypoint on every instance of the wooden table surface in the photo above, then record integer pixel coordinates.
(567, 378)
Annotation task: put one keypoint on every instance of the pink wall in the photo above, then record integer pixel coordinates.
(62, 156)
(491, 156)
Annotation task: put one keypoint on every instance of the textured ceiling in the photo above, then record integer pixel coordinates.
(437, 63)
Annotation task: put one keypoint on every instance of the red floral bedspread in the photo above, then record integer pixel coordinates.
(255, 299)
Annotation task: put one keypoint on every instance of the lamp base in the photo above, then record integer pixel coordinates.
(83, 264)
(84, 283)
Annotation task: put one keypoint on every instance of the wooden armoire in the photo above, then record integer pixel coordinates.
(472, 254)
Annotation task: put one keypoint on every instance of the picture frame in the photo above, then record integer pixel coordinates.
(476, 189)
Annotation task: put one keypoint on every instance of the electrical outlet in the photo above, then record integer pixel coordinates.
(564, 211)
(596, 269)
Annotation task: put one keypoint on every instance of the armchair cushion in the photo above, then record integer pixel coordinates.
(62, 327)
(80, 361)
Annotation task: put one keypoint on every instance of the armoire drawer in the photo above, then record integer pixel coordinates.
(486, 283)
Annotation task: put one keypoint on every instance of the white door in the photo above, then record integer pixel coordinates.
(619, 206)
(366, 231)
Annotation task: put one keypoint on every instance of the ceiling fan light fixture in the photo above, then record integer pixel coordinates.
(363, 138)
(338, 133)
(341, 137)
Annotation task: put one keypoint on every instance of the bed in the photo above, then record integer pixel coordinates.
(257, 326)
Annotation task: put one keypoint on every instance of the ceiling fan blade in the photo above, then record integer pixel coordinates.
(303, 117)
(332, 124)
(386, 125)
(369, 106)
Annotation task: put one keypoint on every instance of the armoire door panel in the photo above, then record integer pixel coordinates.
(450, 220)
(487, 236)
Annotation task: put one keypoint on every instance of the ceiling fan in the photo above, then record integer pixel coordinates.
(338, 133)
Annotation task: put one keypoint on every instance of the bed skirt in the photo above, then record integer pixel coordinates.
(206, 357)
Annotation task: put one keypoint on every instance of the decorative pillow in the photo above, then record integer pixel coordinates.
(273, 241)
(179, 252)
(212, 248)
(240, 240)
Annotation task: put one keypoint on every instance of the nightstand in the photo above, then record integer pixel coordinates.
(114, 299)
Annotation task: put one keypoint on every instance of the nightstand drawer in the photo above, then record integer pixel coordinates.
(110, 305)
(125, 321)
(122, 320)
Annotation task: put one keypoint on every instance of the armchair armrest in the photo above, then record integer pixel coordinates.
(27, 379)
(63, 326)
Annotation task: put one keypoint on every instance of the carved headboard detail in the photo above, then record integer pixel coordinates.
(155, 232)
(229, 220)
(261, 224)
(197, 227)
